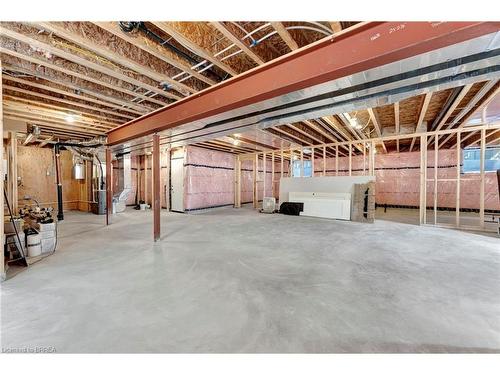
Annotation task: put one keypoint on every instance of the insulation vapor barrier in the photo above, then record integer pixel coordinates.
(398, 179)
(208, 178)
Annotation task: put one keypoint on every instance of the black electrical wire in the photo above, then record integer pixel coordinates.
(131, 26)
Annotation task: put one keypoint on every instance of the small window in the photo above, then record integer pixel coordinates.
(472, 160)
(307, 168)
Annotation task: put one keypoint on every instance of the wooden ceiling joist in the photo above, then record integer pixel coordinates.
(237, 42)
(57, 120)
(467, 111)
(65, 101)
(52, 66)
(81, 61)
(109, 54)
(113, 28)
(56, 115)
(376, 124)
(396, 121)
(67, 93)
(215, 148)
(336, 26)
(421, 116)
(105, 98)
(285, 35)
(46, 106)
(305, 133)
(51, 124)
(465, 89)
(165, 27)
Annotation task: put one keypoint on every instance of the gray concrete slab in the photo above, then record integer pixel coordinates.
(237, 281)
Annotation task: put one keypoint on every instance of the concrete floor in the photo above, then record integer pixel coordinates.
(470, 219)
(237, 281)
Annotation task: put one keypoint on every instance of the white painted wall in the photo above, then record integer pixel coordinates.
(327, 184)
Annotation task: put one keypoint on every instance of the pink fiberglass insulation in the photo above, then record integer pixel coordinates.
(398, 179)
(208, 178)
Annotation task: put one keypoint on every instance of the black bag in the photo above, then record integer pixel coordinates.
(291, 208)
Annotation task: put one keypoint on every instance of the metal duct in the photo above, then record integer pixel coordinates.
(124, 176)
(472, 61)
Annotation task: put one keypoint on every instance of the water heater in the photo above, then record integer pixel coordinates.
(79, 171)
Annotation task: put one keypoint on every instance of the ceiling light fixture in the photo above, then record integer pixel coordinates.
(70, 118)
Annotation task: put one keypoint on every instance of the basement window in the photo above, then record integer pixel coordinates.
(471, 158)
(307, 168)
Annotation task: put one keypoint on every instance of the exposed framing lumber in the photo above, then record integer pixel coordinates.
(46, 141)
(417, 38)
(59, 100)
(342, 131)
(480, 95)
(42, 106)
(12, 191)
(114, 57)
(81, 61)
(105, 98)
(489, 127)
(113, 28)
(255, 193)
(68, 94)
(285, 35)
(227, 146)
(376, 124)
(53, 117)
(165, 27)
(336, 26)
(301, 140)
(345, 119)
(237, 182)
(303, 132)
(36, 121)
(237, 42)
(423, 180)
(465, 89)
(482, 180)
(458, 175)
(396, 122)
(210, 147)
(84, 77)
(421, 116)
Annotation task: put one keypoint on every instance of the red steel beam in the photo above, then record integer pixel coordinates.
(365, 46)
(156, 187)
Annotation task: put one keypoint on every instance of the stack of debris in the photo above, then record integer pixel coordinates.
(363, 203)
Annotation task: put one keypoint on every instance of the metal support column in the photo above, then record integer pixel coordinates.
(156, 187)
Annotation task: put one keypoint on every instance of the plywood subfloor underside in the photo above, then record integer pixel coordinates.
(238, 281)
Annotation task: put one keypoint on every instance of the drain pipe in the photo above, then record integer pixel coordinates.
(57, 153)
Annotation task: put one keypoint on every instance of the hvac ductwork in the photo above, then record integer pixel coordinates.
(474, 60)
(464, 63)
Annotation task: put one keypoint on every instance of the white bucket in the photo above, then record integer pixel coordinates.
(34, 245)
(143, 206)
